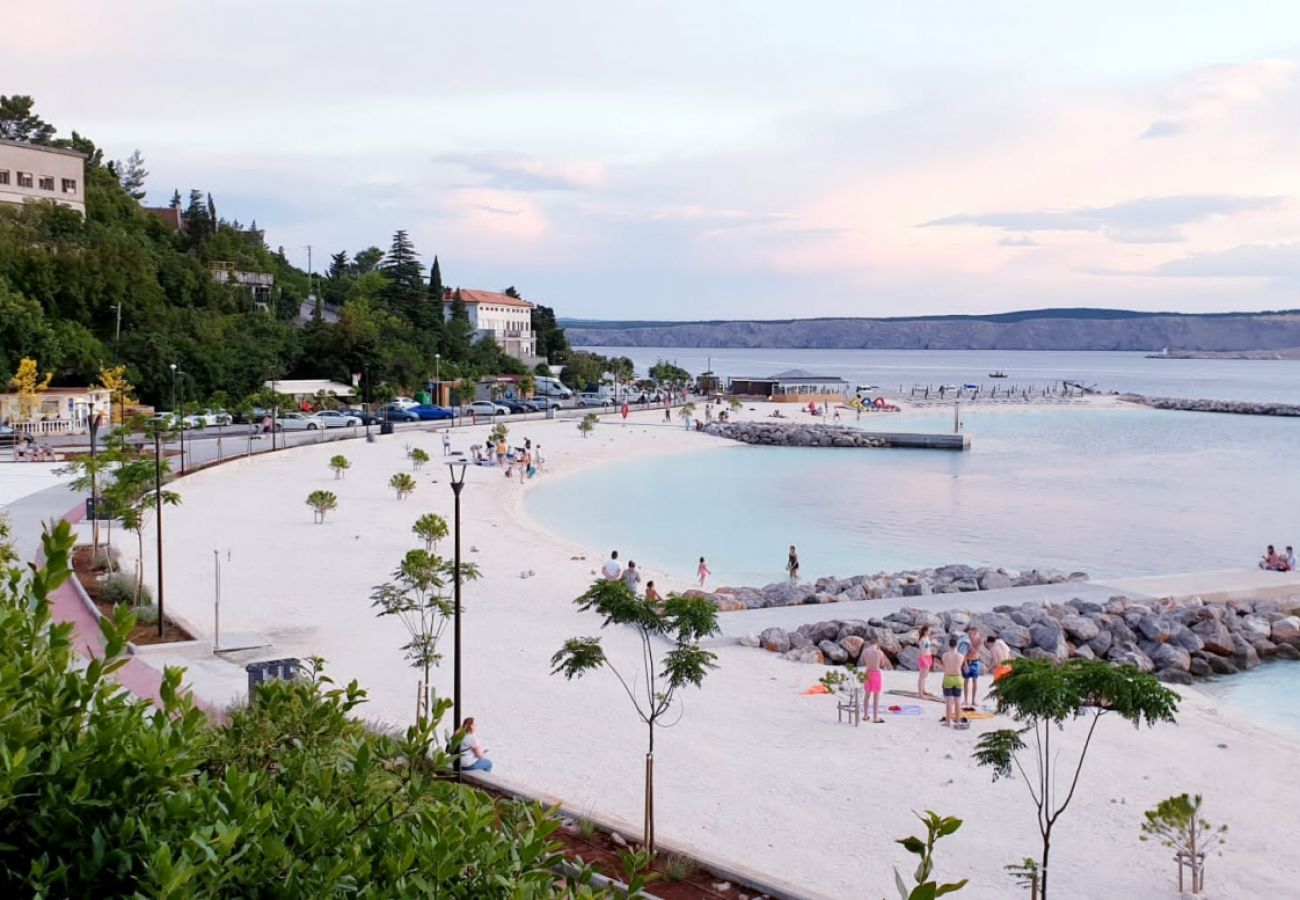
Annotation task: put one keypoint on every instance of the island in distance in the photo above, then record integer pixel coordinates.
(1040, 329)
(1290, 353)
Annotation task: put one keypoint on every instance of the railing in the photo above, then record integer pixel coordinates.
(50, 426)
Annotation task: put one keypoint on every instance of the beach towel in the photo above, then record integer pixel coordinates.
(914, 695)
(910, 709)
(816, 689)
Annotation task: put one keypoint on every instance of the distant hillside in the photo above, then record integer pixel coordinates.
(1042, 329)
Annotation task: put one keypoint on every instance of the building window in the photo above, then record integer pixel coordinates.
(69, 185)
(47, 182)
(4, 176)
(25, 179)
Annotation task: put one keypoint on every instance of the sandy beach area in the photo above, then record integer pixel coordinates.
(756, 773)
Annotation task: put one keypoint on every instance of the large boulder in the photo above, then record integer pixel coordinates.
(993, 580)
(1128, 654)
(992, 624)
(1184, 637)
(1085, 607)
(852, 645)
(907, 659)
(1018, 637)
(1174, 676)
(966, 585)
(954, 572)
(1255, 626)
(1200, 667)
(855, 592)
(726, 602)
(1101, 643)
(807, 655)
(855, 627)
(915, 589)
(1244, 653)
(1048, 635)
(1171, 656)
(774, 639)
(1215, 636)
(1153, 628)
(1080, 628)
(1083, 651)
(955, 620)
(1286, 630)
(1287, 651)
(833, 653)
(1221, 665)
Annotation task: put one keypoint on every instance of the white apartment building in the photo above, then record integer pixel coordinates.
(507, 320)
(31, 172)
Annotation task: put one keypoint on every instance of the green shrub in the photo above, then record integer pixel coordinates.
(340, 465)
(586, 829)
(678, 867)
(402, 484)
(418, 458)
(146, 615)
(117, 588)
(105, 560)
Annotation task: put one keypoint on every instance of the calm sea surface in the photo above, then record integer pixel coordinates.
(1109, 492)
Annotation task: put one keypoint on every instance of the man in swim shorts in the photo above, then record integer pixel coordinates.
(952, 663)
(971, 670)
(874, 659)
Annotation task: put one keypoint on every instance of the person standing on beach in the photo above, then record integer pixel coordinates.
(631, 577)
(792, 565)
(611, 569)
(873, 682)
(924, 662)
(952, 680)
(703, 571)
(446, 444)
(971, 671)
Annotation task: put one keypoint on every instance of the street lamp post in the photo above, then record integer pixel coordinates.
(457, 470)
(94, 492)
(158, 512)
(366, 371)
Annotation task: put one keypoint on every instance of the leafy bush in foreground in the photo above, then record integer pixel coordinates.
(104, 795)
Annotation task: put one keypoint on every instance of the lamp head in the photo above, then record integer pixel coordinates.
(457, 470)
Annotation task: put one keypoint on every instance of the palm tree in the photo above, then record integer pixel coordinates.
(403, 484)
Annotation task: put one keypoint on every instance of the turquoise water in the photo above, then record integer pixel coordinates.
(1109, 492)
(1267, 693)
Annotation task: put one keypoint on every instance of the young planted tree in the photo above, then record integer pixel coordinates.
(498, 433)
(430, 528)
(321, 502)
(936, 826)
(340, 464)
(1043, 695)
(403, 484)
(132, 496)
(1176, 823)
(419, 595)
(119, 389)
(418, 458)
(588, 423)
(682, 622)
(29, 384)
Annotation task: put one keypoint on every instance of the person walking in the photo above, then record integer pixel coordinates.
(874, 659)
(473, 757)
(792, 565)
(971, 670)
(612, 570)
(446, 444)
(703, 571)
(925, 662)
(952, 680)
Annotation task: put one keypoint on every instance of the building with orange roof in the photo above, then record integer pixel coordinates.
(507, 320)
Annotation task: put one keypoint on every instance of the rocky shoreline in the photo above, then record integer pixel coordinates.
(1176, 640)
(794, 434)
(1235, 407)
(950, 579)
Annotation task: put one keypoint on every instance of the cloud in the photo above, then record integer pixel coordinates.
(518, 172)
(1023, 240)
(1163, 128)
(1244, 261)
(1145, 220)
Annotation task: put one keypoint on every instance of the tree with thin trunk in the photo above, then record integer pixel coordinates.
(430, 528)
(134, 479)
(340, 464)
(418, 458)
(1176, 823)
(680, 622)
(588, 423)
(403, 484)
(1043, 695)
(321, 502)
(419, 595)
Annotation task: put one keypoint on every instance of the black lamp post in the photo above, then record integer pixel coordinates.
(457, 484)
(366, 371)
(94, 492)
(158, 511)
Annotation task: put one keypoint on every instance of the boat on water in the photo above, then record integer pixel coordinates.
(998, 374)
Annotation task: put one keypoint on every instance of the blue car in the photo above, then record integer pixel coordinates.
(429, 413)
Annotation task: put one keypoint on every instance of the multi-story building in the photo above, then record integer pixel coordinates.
(30, 172)
(507, 320)
(259, 284)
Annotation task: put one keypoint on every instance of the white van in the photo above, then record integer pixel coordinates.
(551, 387)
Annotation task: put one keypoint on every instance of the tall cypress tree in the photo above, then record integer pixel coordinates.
(433, 314)
(460, 331)
(405, 287)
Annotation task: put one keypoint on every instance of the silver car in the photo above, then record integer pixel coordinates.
(488, 408)
(336, 418)
(296, 421)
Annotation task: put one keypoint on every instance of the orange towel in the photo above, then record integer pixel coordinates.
(818, 688)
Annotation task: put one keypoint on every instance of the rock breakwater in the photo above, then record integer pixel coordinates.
(1175, 639)
(950, 579)
(794, 434)
(1235, 407)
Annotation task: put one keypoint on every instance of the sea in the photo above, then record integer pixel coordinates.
(1110, 492)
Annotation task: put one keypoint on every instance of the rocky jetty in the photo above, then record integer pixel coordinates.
(792, 434)
(1176, 640)
(951, 579)
(1235, 407)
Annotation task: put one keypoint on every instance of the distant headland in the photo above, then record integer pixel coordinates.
(1040, 329)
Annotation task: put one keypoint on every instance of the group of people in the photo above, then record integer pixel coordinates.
(961, 663)
(613, 570)
(28, 450)
(525, 461)
(1278, 562)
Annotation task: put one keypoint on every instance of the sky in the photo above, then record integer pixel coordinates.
(721, 158)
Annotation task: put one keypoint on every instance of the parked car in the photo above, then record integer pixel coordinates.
(394, 413)
(363, 416)
(296, 421)
(592, 400)
(7, 436)
(337, 418)
(515, 406)
(428, 412)
(488, 408)
(541, 404)
(404, 403)
(209, 418)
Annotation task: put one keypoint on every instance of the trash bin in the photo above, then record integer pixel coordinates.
(385, 427)
(270, 670)
(550, 412)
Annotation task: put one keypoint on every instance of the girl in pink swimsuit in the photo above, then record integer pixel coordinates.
(926, 661)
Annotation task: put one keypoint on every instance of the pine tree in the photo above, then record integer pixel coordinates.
(19, 123)
(176, 200)
(460, 331)
(132, 174)
(405, 289)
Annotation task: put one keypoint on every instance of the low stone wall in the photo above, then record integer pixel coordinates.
(791, 434)
(1174, 639)
(950, 579)
(1237, 407)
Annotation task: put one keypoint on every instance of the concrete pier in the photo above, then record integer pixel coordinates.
(801, 434)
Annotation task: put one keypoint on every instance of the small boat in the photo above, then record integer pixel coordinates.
(998, 374)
